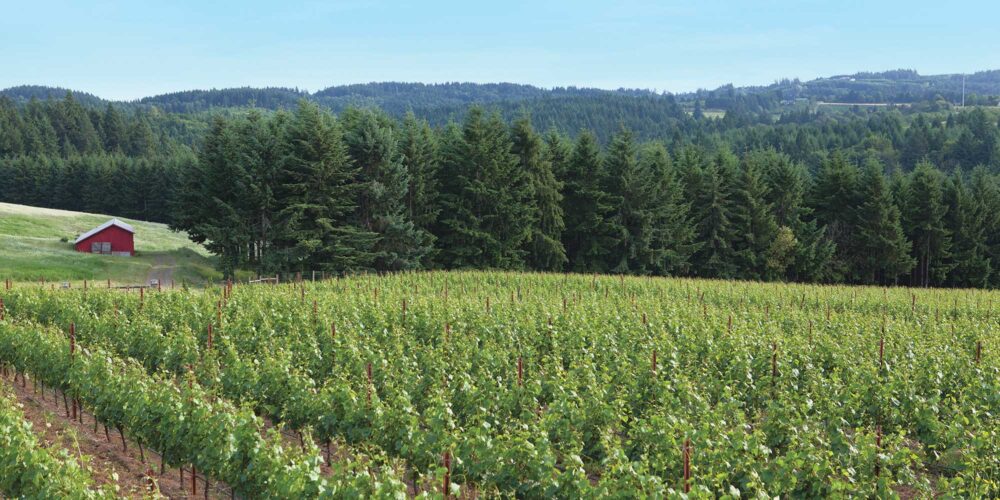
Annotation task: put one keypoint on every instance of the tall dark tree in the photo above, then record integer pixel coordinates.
(418, 149)
(545, 250)
(384, 183)
(965, 220)
(486, 198)
(924, 211)
(711, 197)
(755, 226)
(631, 189)
(883, 250)
(209, 208)
(113, 130)
(318, 192)
(673, 231)
(588, 209)
(834, 198)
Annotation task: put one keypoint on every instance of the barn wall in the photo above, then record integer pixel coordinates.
(120, 239)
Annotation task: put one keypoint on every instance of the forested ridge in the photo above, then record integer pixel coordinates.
(583, 180)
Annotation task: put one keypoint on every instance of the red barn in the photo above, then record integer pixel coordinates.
(114, 237)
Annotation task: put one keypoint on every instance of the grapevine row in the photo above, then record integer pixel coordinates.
(181, 421)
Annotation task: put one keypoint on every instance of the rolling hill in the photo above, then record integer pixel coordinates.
(36, 243)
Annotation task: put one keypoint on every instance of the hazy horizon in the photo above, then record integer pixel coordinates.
(121, 51)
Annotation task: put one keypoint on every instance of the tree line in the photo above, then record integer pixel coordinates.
(307, 190)
(743, 196)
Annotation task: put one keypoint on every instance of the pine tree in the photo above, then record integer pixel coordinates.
(209, 209)
(558, 151)
(318, 193)
(834, 199)
(113, 130)
(711, 209)
(630, 190)
(924, 213)
(965, 220)
(11, 129)
(588, 209)
(486, 197)
(384, 183)
(419, 154)
(76, 130)
(883, 250)
(545, 250)
(673, 231)
(755, 226)
(985, 193)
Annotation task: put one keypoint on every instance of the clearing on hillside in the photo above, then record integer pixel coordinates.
(37, 243)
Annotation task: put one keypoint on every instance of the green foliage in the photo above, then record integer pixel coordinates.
(588, 209)
(180, 421)
(550, 391)
(883, 250)
(29, 470)
(487, 208)
(924, 211)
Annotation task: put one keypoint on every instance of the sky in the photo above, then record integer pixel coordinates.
(127, 50)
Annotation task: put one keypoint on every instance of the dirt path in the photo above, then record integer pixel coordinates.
(108, 462)
(162, 270)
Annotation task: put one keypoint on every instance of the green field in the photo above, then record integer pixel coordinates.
(546, 386)
(37, 243)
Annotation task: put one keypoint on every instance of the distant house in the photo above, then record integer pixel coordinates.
(114, 237)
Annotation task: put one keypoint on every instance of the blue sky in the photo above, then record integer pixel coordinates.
(125, 50)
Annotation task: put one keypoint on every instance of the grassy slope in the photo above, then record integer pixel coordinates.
(31, 248)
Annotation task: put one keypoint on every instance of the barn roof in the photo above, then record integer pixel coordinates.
(102, 227)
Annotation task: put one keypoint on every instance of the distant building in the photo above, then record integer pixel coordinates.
(114, 237)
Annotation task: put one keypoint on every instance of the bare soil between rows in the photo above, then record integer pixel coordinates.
(103, 454)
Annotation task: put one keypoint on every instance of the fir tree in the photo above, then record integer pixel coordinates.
(545, 250)
(318, 193)
(834, 199)
(418, 151)
(588, 209)
(383, 184)
(965, 220)
(883, 250)
(711, 197)
(486, 197)
(924, 213)
(754, 224)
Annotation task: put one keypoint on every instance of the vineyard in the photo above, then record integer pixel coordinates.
(487, 384)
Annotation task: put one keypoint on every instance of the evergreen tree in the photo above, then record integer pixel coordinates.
(711, 197)
(673, 231)
(883, 250)
(545, 250)
(924, 213)
(965, 220)
(630, 190)
(588, 209)
(209, 207)
(755, 226)
(419, 154)
(384, 183)
(558, 151)
(834, 199)
(318, 193)
(113, 130)
(486, 197)
(985, 194)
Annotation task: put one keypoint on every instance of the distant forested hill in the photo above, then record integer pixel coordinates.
(648, 114)
(22, 94)
(897, 86)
